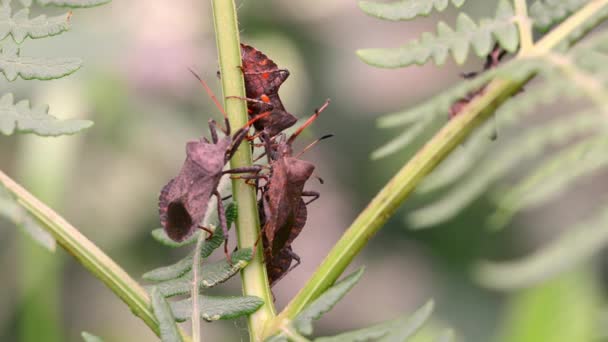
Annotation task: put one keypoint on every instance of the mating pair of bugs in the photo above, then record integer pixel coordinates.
(184, 200)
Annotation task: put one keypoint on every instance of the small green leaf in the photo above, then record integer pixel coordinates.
(170, 272)
(22, 118)
(405, 9)
(566, 252)
(215, 308)
(90, 337)
(398, 329)
(502, 28)
(73, 3)
(168, 328)
(325, 302)
(160, 236)
(20, 26)
(12, 64)
(212, 274)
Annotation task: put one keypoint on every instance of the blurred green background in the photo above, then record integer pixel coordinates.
(136, 87)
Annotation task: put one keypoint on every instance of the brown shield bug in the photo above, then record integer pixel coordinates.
(183, 201)
(263, 79)
(283, 210)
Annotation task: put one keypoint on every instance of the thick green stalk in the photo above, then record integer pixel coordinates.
(382, 207)
(88, 254)
(255, 281)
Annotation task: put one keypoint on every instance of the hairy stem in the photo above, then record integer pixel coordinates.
(255, 281)
(88, 254)
(390, 197)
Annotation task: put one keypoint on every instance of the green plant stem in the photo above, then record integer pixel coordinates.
(525, 26)
(390, 197)
(255, 281)
(88, 254)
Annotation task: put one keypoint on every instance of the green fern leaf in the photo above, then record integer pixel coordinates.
(20, 26)
(550, 178)
(501, 29)
(168, 328)
(22, 118)
(15, 213)
(574, 247)
(90, 337)
(170, 272)
(215, 308)
(533, 143)
(545, 14)
(398, 329)
(325, 302)
(212, 274)
(13, 65)
(73, 3)
(405, 9)
(402, 140)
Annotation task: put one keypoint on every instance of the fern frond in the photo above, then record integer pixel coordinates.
(551, 178)
(546, 13)
(423, 115)
(482, 37)
(532, 144)
(20, 117)
(572, 248)
(169, 331)
(214, 308)
(12, 64)
(20, 26)
(405, 9)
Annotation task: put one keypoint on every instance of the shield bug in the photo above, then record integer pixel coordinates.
(263, 79)
(183, 201)
(283, 209)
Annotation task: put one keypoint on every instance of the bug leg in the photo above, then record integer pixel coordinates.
(213, 130)
(221, 213)
(209, 231)
(315, 195)
(246, 169)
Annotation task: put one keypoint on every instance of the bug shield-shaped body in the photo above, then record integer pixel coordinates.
(183, 201)
(284, 209)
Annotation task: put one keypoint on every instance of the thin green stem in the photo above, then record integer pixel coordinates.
(382, 207)
(88, 254)
(525, 26)
(255, 281)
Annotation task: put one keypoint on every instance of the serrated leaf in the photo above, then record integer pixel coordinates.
(325, 302)
(574, 247)
(12, 64)
(214, 308)
(212, 274)
(90, 337)
(159, 235)
(405, 9)
(22, 219)
(170, 272)
(22, 118)
(501, 29)
(73, 3)
(398, 329)
(20, 26)
(168, 328)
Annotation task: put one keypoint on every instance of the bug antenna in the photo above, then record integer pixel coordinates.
(308, 122)
(312, 144)
(209, 92)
